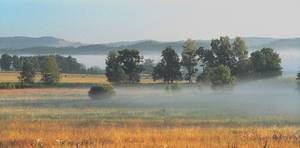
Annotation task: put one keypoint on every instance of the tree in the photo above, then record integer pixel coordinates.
(221, 76)
(240, 49)
(28, 72)
(148, 66)
(266, 62)
(17, 63)
(50, 71)
(189, 59)
(244, 69)
(223, 51)
(5, 62)
(168, 68)
(298, 76)
(131, 62)
(114, 71)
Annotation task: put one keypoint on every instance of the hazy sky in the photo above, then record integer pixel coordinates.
(95, 21)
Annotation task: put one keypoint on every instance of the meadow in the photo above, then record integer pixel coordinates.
(255, 114)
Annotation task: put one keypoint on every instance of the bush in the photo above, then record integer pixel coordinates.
(101, 91)
(7, 85)
(221, 76)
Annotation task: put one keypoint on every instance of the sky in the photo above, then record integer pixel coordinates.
(100, 21)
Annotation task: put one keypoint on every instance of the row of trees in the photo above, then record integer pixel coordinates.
(65, 64)
(220, 64)
(49, 70)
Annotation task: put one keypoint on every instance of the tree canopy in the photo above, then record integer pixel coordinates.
(50, 71)
(168, 68)
(189, 59)
(28, 72)
(221, 76)
(266, 62)
(124, 66)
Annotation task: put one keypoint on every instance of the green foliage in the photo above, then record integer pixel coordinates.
(7, 85)
(65, 64)
(148, 66)
(114, 70)
(28, 73)
(244, 69)
(130, 61)
(168, 68)
(95, 70)
(240, 49)
(5, 62)
(50, 71)
(189, 59)
(101, 91)
(17, 64)
(223, 52)
(221, 76)
(266, 62)
(124, 66)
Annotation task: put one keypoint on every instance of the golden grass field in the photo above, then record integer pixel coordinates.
(68, 78)
(82, 134)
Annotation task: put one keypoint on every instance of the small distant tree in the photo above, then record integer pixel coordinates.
(221, 76)
(17, 63)
(28, 73)
(50, 71)
(5, 62)
(189, 59)
(298, 76)
(148, 66)
(131, 62)
(168, 68)
(114, 71)
(266, 62)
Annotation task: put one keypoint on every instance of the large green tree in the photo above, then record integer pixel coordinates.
(168, 68)
(28, 72)
(114, 71)
(266, 62)
(5, 62)
(50, 71)
(223, 52)
(131, 62)
(221, 76)
(189, 59)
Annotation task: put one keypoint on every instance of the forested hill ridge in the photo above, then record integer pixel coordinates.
(60, 46)
(20, 42)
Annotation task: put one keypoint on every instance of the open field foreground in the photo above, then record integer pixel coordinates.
(84, 134)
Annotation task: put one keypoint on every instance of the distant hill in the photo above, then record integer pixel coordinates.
(27, 42)
(144, 46)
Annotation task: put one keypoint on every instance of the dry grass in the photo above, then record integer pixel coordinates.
(68, 78)
(83, 134)
(34, 93)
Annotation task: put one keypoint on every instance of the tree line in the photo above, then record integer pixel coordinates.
(221, 64)
(65, 64)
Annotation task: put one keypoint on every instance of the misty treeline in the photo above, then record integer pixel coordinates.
(65, 64)
(221, 64)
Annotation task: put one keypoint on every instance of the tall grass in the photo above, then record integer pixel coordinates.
(85, 134)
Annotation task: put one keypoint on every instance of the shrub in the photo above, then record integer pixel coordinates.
(221, 76)
(101, 91)
(7, 85)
